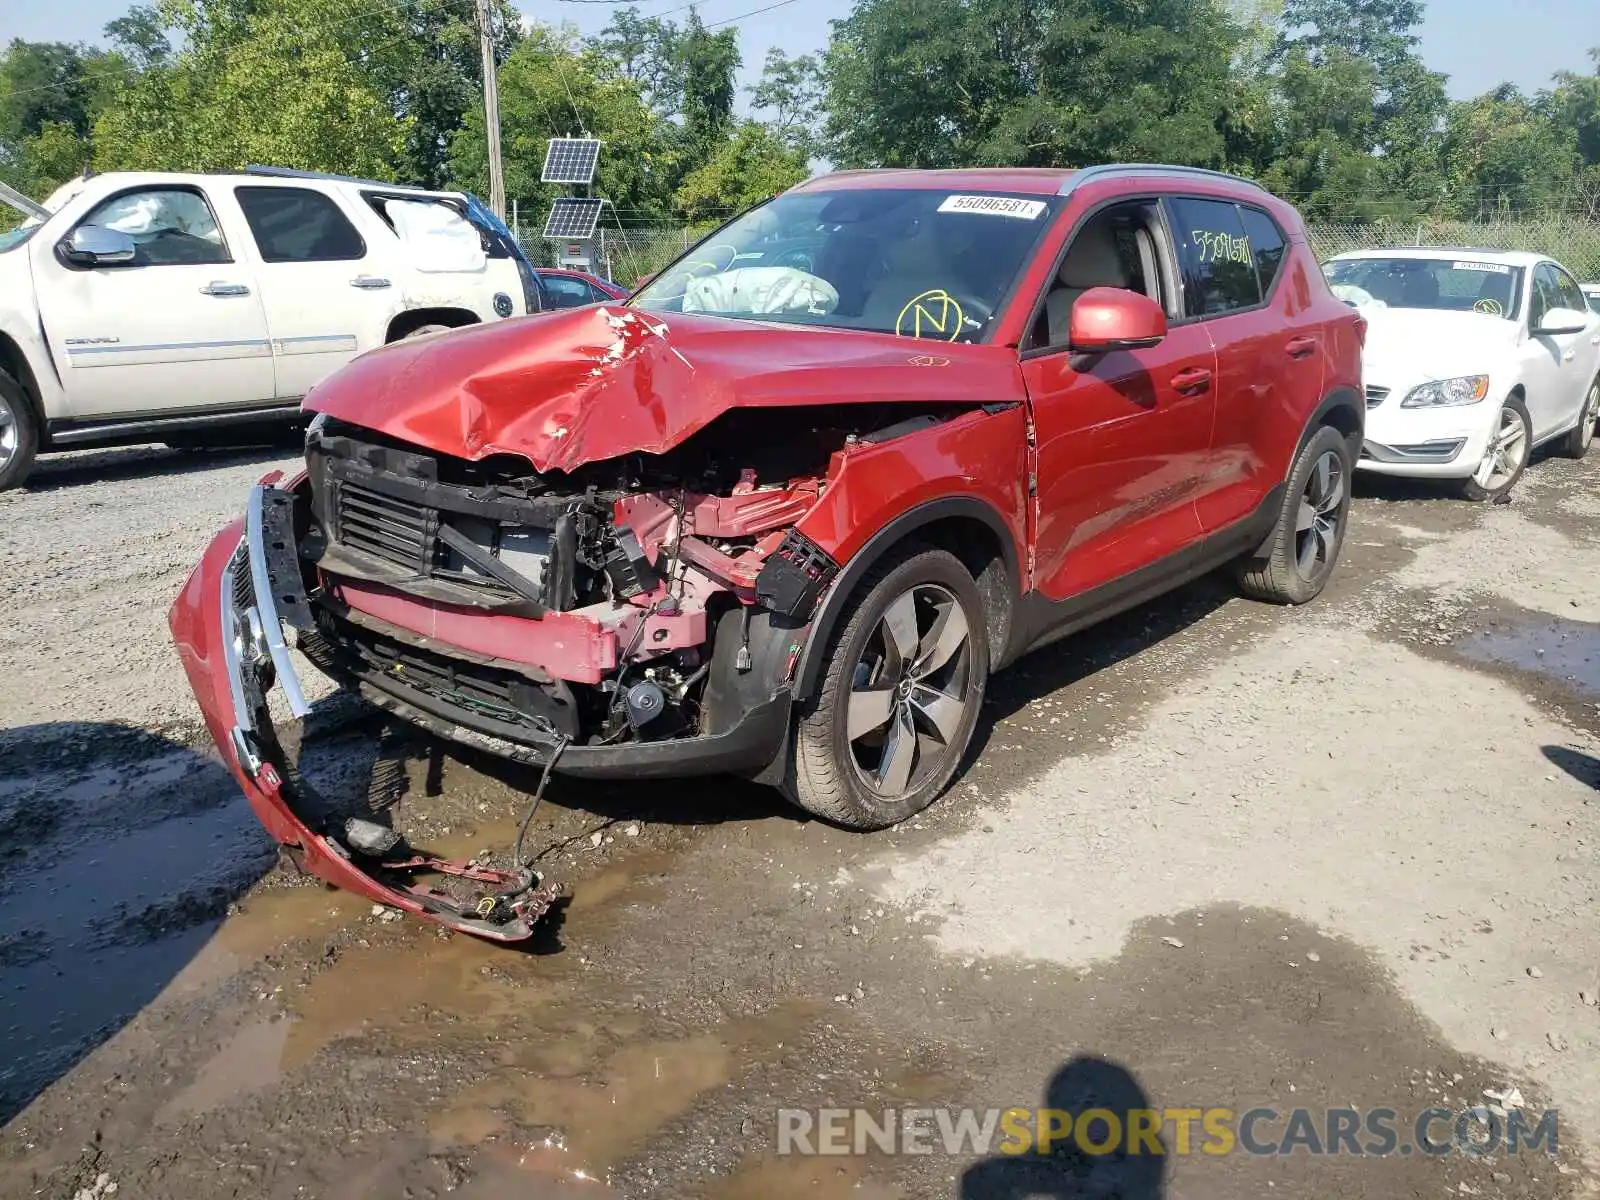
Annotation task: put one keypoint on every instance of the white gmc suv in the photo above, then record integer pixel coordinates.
(199, 309)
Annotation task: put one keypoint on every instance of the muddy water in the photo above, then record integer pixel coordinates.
(1566, 652)
(117, 869)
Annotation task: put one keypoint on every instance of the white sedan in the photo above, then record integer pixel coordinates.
(1473, 358)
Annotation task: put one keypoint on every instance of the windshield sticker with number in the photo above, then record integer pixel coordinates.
(1492, 268)
(994, 206)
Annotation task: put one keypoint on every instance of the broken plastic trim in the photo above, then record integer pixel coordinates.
(252, 634)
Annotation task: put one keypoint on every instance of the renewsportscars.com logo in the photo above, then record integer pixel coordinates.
(1263, 1132)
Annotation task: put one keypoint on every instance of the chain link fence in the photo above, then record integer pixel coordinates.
(622, 255)
(1572, 241)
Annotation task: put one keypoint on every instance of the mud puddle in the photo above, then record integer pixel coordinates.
(118, 870)
(1565, 652)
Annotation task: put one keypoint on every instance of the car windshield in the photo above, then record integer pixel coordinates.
(929, 264)
(17, 234)
(1444, 284)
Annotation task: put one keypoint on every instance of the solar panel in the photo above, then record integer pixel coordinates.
(573, 217)
(571, 160)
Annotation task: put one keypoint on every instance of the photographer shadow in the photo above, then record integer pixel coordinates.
(1066, 1171)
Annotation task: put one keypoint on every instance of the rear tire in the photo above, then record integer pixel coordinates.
(906, 676)
(423, 331)
(1578, 441)
(1309, 532)
(1509, 447)
(19, 433)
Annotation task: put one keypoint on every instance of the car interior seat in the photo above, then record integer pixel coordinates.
(1095, 260)
(1496, 289)
(1420, 290)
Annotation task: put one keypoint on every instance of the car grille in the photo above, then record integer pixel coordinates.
(1376, 396)
(385, 527)
(466, 690)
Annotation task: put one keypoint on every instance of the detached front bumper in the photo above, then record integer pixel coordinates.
(229, 631)
(229, 623)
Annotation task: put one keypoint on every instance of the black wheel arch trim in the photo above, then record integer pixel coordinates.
(809, 668)
(1340, 397)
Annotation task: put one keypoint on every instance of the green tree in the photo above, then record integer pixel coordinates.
(50, 96)
(549, 87)
(1505, 153)
(751, 166)
(707, 62)
(792, 91)
(1031, 82)
(1359, 115)
(298, 83)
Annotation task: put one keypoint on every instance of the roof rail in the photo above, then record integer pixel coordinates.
(1165, 170)
(292, 173)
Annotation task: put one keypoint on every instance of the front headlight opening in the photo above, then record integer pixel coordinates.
(1446, 393)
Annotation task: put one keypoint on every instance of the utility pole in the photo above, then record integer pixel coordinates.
(491, 113)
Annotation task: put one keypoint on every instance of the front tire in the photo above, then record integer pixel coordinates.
(899, 695)
(1506, 456)
(1310, 529)
(1577, 442)
(19, 434)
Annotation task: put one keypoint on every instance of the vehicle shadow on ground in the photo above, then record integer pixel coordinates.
(1585, 768)
(120, 852)
(1397, 489)
(1066, 1170)
(1098, 648)
(53, 472)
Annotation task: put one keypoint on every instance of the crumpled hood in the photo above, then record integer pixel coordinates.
(588, 384)
(1410, 344)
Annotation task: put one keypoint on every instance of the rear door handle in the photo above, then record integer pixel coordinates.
(215, 288)
(1302, 347)
(1195, 379)
(369, 282)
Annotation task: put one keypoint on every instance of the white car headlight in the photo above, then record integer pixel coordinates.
(1443, 393)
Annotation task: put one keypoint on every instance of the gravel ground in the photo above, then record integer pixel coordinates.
(1209, 854)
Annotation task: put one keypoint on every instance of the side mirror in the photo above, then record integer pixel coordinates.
(1562, 320)
(1106, 319)
(97, 246)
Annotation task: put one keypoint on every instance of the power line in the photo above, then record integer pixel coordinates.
(752, 13)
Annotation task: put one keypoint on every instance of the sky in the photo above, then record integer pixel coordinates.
(1478, 43)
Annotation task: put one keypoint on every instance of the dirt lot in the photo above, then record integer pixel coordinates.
(1213, 854)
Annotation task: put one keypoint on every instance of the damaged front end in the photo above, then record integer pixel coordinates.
(632, 614)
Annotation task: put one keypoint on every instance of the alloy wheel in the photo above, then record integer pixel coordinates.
(10, 434)
(1505, 453)
(1591, 414)
(1316, 527)
(910, 690)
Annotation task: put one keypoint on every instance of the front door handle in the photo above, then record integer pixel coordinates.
(215, 288)
(369, 282)
(1302, 347)
(1195, 379)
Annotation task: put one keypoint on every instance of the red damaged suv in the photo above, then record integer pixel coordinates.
(782, 512)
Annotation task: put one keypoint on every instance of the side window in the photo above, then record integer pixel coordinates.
(1119, 247)
(298, 225)
(596, 296)
(1266, 243)
(1219, 270)
(1568, 291)
(1546, 292)
(169, 226)
(564, 292)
